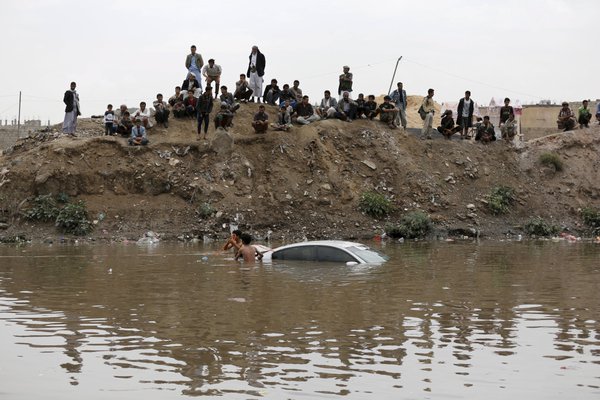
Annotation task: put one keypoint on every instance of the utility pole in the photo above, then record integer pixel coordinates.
(19, 120)
(394, 76)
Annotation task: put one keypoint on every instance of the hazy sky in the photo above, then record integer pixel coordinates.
(128, 51)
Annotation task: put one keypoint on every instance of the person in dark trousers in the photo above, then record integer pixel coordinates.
(464, 114)
(203, 110)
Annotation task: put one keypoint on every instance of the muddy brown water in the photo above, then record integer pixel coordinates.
(489, 320)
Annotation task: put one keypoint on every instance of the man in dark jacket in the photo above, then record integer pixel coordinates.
(464, 114)
(203, 109)
(71, 100)
(256, 71)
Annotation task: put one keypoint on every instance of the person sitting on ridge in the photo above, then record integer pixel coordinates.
(346, 108)
(566, 118)
(189, 105)
(486, 133)
(261, 120)
(284, 120)
(509, 129)
(224, 118)
(143, 113)
(161, 111)
(388, 112)
(304, 112)
(227, 97)
(191, 85)
(138, 134)
(447, 127)
(584, 116)
(271, 95)
(328, 106)
(242, 90)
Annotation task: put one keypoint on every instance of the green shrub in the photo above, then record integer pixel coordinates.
(205, 210)
(411, 226)
(374, 204)
(539, 227)
(44, 208)
(501, 197)
(553, 159)
(73, 219)
(591, 217)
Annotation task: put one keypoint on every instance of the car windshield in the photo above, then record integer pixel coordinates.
(367, 254)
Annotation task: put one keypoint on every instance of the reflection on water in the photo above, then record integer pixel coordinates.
(438, 320)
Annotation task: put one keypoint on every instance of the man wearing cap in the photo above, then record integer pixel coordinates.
(71, 100)
(194, 63)
(203, 109)
(256, 71)
(212, 73)
(345, 81)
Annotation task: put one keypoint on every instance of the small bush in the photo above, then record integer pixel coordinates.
(374, 204)
(500, 199)
(591, 217)
(205, 210)
(413, 225)
(63, 198)
(73, 219)
(553, 159)
(539, 227)
(44, 209)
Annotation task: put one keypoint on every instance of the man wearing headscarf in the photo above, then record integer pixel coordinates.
(256, 70)
(72, 111)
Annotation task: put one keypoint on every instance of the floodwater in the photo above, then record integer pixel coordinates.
(469, 320)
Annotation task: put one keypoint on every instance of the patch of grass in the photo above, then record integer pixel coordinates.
(591, 217)
(501, 197)
(413, 225)
(552, 159)
(73, 219)
(44, 208)
(539, 227)
(375, 205)
(205, 210)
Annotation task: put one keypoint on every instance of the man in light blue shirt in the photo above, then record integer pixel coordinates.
(399, 99)
(194, 63)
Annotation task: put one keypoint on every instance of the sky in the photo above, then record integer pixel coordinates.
(124, 52)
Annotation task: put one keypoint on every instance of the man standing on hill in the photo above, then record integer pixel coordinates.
(212, 73)
(399, 98)
(345, 81)
(428, 109)
(464, 114)
(71, 100)
(194, 63)
(256, 70)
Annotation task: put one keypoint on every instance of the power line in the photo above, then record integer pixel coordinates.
(472, 80)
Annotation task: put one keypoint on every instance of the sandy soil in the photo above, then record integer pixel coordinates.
(305, 183)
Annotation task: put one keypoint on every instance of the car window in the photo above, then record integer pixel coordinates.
(327, 253)
(307, 253)
(369, 255)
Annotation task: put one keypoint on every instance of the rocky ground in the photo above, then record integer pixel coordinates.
(305, 183)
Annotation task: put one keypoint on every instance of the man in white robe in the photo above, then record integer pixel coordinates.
(72, 111)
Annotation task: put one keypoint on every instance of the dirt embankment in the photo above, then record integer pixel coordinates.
(297, 184)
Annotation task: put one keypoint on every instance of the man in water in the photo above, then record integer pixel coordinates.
(234, 241)
(247, 251)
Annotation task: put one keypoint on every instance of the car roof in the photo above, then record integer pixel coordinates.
(332, 243)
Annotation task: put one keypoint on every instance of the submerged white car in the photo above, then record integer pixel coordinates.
(326, 250)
